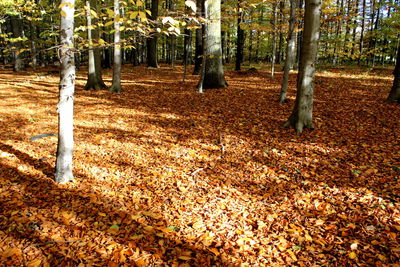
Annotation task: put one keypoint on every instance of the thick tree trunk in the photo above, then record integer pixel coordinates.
(65, 146)
(199, 40)
(301, 116)
(116, 81)
(214, 71)
(290, 50)
(394, 95)
(187, 50)
(240, 38)
(152, 60)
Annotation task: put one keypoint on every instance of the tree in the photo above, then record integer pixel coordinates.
(290, 50)
(240, 38)
(116, 80)
(394, 95)
(214, 71)
(65, 146)
(152, 60)
(95, 80)
(17, 29)
(199, 39)
(301, 116)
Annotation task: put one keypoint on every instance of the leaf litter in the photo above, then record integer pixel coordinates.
(169, 177)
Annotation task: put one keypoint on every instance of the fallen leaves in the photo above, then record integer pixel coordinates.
(165, 177)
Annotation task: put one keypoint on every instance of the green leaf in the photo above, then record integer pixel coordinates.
(114, 226)
(173, 227)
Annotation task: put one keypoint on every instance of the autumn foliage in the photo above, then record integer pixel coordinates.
(169, 177)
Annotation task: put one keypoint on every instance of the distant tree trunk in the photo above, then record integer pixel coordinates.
(290, 50)
(394, 95)
(239, 39)
(214, 71)
(199, 40)
(187, 50)
(34, 57)
(152, 60)
(364, 4)
(173, 39)
(354, 34)
(274, 22)
(280, 44)
(299, 38)
(65, 146)
(18, 32)
(301, 116)
(94, 81)
(116, 81)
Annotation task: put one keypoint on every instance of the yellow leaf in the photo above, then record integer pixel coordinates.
(152, 215)
(352, 255)
(62, 12)
(14, 212)
(185, 258)
(102, 214)
(319, 222)
(34, 263)
(381, 257)
(148, 228)
(11, 252)
(308, 237)
(292, 255)
(109, 23)
(215, 251)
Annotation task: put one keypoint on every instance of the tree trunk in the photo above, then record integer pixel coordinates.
(94, 81)
(240, 38)
(301, 116)
(65, 146)
(187, 50)
(116, 81)
(199, 40)
(274, 22)
(214, 71)
(17, 29)
(152, 60)
(290, 50)
(394, 95)
(362, 31)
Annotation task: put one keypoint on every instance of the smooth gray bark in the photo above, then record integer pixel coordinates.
(214, 71)
(301, 116)
(199, 39)
(65, 146)
(290, 50)
(116, 80)
(274, 22)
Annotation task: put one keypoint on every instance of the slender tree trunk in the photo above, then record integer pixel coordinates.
(152, 60)
(290, 50)
(199, 40)
(18, 32)
(274, 22)
(34, 62)
(361, 50)
(94, 81)
(301, 116)
(394, 95)
(354, 34)
(116, 81)
(65, 146)
(299, 39)
(240, 38)
(187, 50)
(214, 71)
(280, 44)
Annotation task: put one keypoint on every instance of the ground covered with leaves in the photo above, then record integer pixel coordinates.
(169, 177)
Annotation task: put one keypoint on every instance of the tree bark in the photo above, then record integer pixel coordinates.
(152, 60)
(17, 29)
(290, 50)
(65, 146)
(301, 116)
(394, 95)
(214, 71)
(199, 40)
(94, 81)
(116, 81)
(240, 38)
(274, 22)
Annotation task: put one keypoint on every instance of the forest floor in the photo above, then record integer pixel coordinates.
(169, 177)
